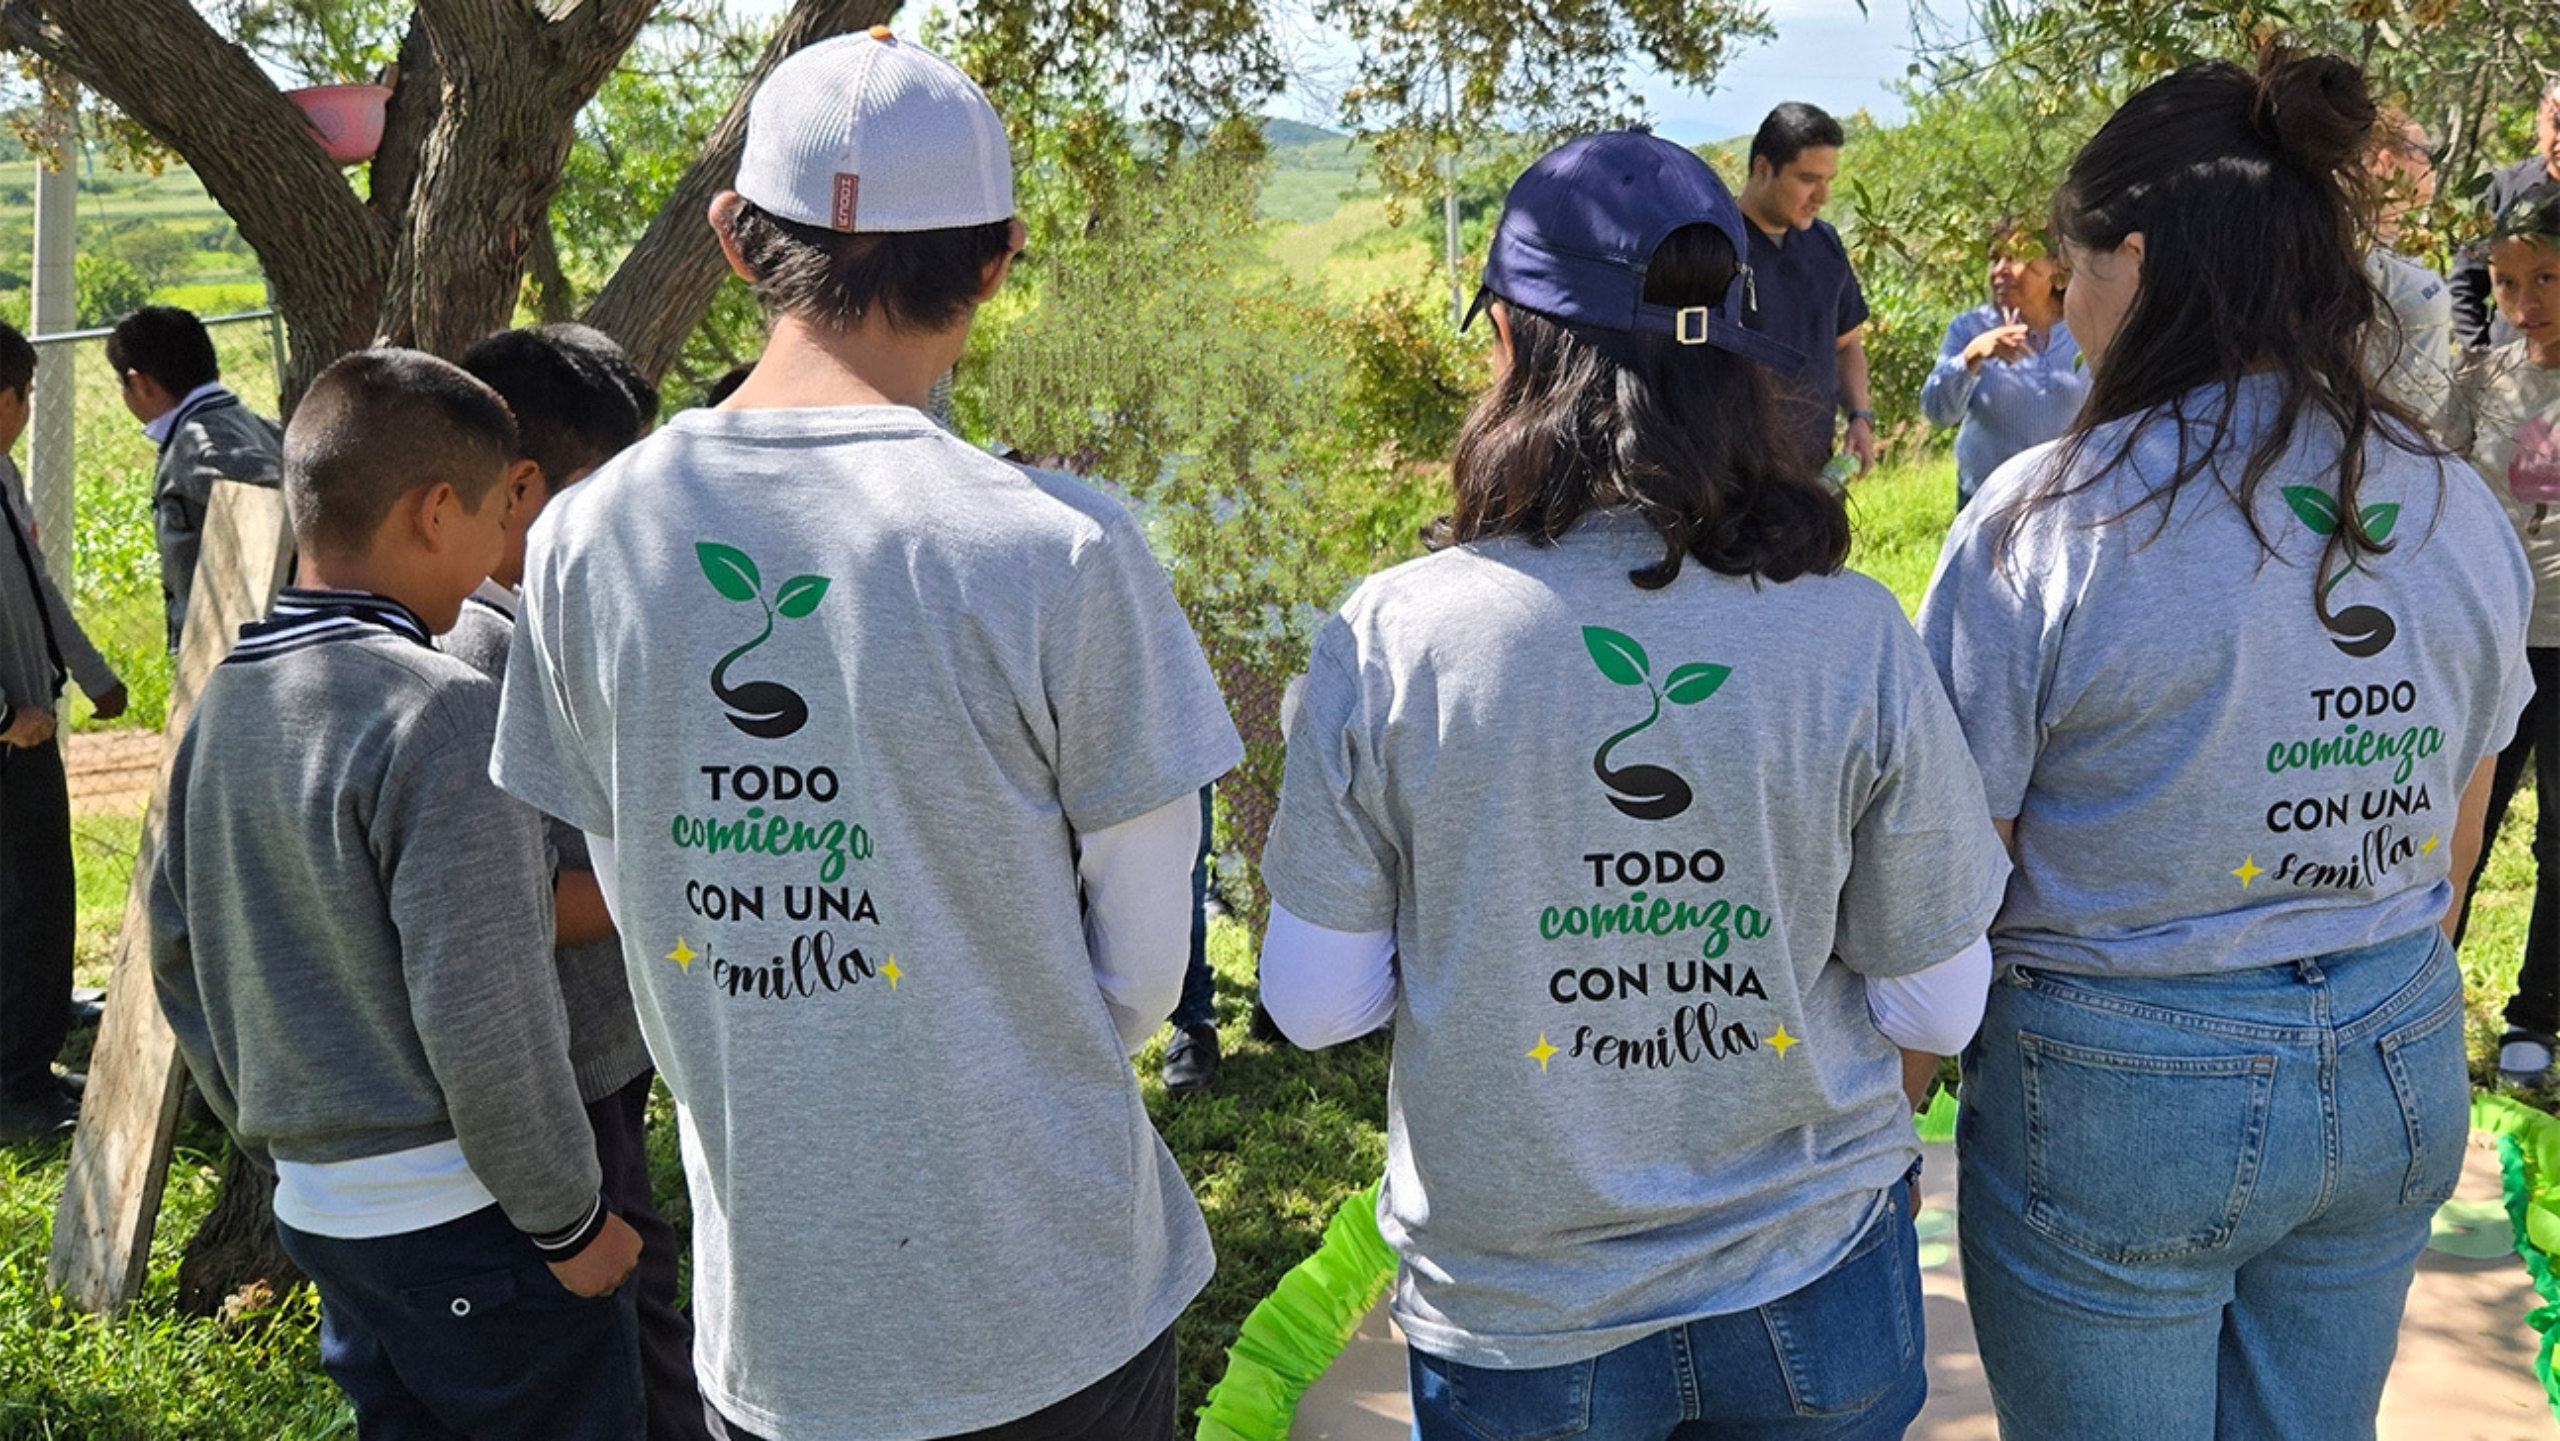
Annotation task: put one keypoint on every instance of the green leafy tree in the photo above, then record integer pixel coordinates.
(105, 288)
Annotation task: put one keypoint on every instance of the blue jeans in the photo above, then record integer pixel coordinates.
(1839, 1360)
(2191, 1207)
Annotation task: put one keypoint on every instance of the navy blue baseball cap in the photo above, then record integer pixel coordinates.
(1581, 225)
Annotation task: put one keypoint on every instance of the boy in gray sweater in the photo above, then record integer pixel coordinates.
(578, 401)
(351, 936)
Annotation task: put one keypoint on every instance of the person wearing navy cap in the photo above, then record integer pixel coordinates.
(1645, 825)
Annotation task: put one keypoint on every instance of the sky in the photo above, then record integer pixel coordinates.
(1826, 51)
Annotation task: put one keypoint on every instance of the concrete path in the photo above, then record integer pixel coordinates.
(2465, 1370)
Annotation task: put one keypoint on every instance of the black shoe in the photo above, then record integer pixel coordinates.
(87, 1015)
(1191, 1059)
(74, 1084)
(48, 1113)
(1264, 1028)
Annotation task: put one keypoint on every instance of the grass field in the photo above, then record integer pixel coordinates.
(1271, 1153)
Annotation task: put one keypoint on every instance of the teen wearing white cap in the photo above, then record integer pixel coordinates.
(892, 753)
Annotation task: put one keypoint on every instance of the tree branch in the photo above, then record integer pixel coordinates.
(160, 63)
(664, 287)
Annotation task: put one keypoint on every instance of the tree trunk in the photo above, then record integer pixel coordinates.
(512, 83)
(664, 287)
(235, 1250)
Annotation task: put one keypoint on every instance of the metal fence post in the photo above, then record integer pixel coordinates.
(55, 307)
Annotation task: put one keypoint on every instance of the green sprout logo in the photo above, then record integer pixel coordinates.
(1648, 793)
(2359, 630)
(768, 710)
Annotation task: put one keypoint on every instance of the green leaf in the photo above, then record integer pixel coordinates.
(2315, 507)
(1618, 656)
(1691, 684)
(729, 570)
(2378, 519)
(799, 596)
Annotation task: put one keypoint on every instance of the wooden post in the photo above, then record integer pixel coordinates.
(129, 1116)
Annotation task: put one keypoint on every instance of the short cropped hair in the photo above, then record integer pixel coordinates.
(168, 344)
(17, 360)
(573, 408)
(380, 424)
(607, 354)
(1791, 130)
(921, 280)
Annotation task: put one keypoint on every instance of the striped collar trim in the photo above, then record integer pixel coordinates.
(303, 618)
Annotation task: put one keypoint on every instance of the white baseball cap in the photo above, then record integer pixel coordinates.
(869, 133)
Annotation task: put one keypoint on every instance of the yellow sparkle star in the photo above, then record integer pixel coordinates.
(2249, 870)
(1542, 1052)
(889, 969)
(2429, 848)
(1779, 1041)
(683, 955)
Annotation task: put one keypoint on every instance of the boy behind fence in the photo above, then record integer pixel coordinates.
(351, 936)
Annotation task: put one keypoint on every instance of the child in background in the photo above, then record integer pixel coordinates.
(351, 937)
(1649, 1119)
(577, 401)
(41, 645)
(2505, 416)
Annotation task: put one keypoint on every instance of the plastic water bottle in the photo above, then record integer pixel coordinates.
(1840, 471)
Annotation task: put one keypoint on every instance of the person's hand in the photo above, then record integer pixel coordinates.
(607, 1259)
(29, 726)
(2004, 343)
(1862, 443)
(110, 704)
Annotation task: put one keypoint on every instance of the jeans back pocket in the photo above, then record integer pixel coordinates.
(1545, 1403)
(2430, 1075)
(1843, 1341)
(2094, 1184)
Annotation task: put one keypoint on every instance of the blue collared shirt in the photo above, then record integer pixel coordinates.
(2006, 406)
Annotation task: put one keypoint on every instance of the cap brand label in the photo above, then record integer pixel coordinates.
(848, 193)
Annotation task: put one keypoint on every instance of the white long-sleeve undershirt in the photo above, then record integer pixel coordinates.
(1137, 918)
(1323, 987)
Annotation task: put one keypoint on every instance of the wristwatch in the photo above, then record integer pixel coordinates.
(1856, 415)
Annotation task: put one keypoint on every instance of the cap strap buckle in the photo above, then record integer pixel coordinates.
(1691, 322)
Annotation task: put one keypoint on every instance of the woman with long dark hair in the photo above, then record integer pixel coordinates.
(2235, 656)
(1653, 835)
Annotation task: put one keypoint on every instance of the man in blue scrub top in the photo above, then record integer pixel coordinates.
(1804, 293)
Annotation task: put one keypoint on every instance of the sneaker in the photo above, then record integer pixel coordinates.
(46, 1114)
(2524, 1058)
(1191, 1059)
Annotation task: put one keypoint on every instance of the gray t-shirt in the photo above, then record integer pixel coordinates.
(1639, 850)
(2206, 774)
(842, 690)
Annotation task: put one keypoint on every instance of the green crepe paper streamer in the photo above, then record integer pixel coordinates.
(2529, 1165)
(1293, 1337)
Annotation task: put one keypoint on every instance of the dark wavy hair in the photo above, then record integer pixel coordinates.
(2251, 194)
(1684, 435)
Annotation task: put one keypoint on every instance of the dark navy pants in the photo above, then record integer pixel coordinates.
(1134, 1403)
(621, 1124)
(460, 1332)
(1199, 1004)
(39, 908)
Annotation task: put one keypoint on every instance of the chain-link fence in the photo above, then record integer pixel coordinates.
(113, 561)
